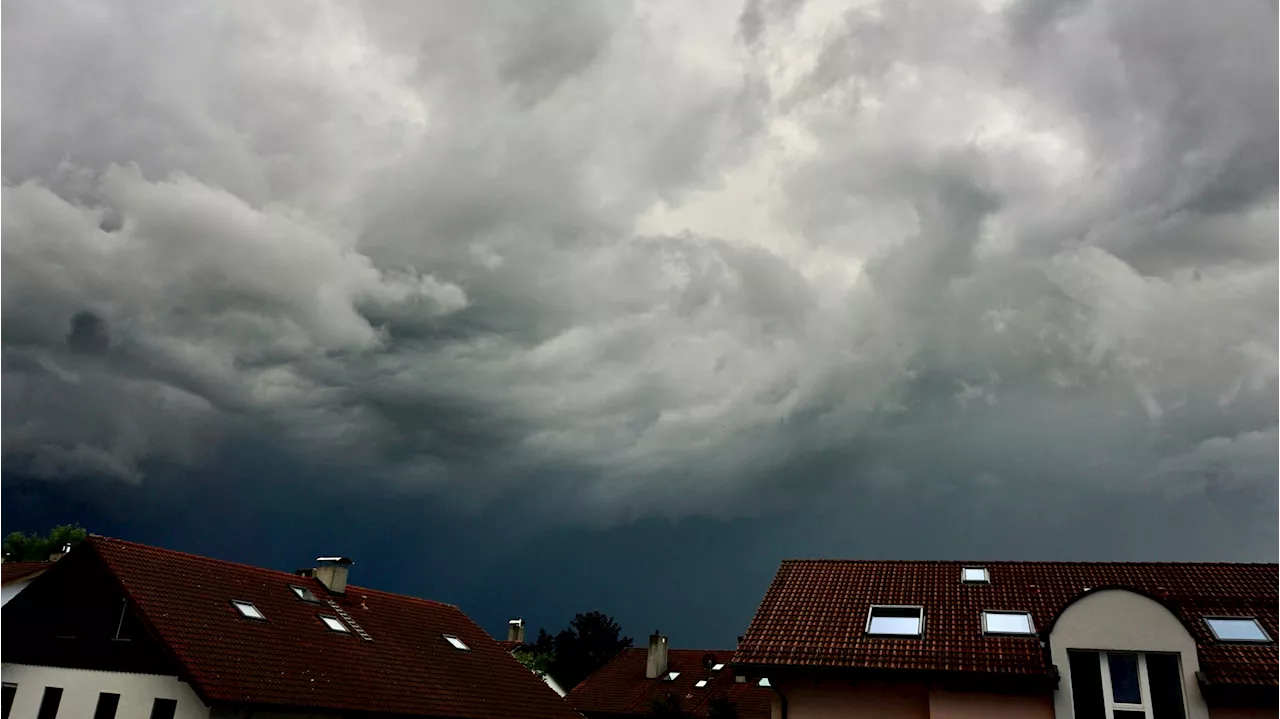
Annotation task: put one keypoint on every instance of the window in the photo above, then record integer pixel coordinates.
(457, 643)
(1236, 629)
(671, 676)
(164, 708)
(9, 691)
(895, 621)
(1126, 685)
(717, 667)
(247, 609)
(701, 684)
(333, 623)
(765, 682)
(305, 594)
(1007, 623)
(974, 575)
(49, 703)
(107, 704)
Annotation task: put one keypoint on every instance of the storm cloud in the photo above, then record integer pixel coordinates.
(658, 260)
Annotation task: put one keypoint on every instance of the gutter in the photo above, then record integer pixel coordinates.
(782, 699)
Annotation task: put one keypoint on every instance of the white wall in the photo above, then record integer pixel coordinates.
(1119, 620)
(11, 591)
(80, 688)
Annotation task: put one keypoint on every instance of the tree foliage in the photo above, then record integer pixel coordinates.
(722, 708)
(667, 707)
(19, 547)
(589, 642)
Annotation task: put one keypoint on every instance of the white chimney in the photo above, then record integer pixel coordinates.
(515, 630)
(657, 665)
(332, 573)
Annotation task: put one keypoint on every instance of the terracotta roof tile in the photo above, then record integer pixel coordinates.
(292, 660)
(14, 571)
(620, 687)
(815, 612)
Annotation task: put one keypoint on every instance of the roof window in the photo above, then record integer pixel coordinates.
(333, 623)
(1007, 623)
(671, 676)
(765, 682)
(701, 684)
(975, 575)
(247, 609)
(895, 621)
(457, 643)
(1237, 629)
(305, 594)
(717, 667)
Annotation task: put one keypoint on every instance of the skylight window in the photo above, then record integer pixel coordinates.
(247, 609)
(457, 643)
(1007, 623)
(671, 676)
(717, 667)
(701, 684)
(975, 575)
(1236, 629)
(895, 621)
(765, 682)
(333, 623)
(305, 594)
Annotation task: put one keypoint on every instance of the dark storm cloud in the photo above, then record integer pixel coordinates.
(978, 252)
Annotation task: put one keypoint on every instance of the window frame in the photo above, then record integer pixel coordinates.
(1109, 704)
(240, 604)
(986, 575)
(299, 590)
(456, 643)
(336, 620)
(1031, 623)
(871, 615)
(1214, 632)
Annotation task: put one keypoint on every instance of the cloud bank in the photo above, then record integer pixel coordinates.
(663, 259)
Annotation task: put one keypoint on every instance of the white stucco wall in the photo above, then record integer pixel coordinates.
(1119, 620)
(10, 591)
(80, 689)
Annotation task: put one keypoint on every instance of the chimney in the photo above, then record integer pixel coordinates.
(515, 630)
(657, 665)
(332, 573)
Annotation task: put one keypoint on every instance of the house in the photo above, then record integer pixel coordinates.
(15, 576)
(628, 685)
(123, 629)
(1016, 639)
(514, 643)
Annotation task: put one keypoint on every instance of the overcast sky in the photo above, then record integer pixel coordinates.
(609, 305)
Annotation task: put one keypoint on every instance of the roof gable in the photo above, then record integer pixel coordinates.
(815, 611)
(291, 659)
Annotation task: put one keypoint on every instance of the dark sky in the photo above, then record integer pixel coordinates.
(544, 308)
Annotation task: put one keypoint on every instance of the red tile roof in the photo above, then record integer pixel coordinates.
(14, 571)
(292, 660)
(620, 687)
(510, 646)
(815, 612)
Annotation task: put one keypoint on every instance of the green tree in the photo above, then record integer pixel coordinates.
(667, 707)
(19, 547)
(536, 661)
(589, 642)
(722, 708)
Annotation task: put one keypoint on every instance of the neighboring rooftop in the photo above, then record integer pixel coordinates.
(620, 687)
(17, 571)
(291, 657)
(815, 613)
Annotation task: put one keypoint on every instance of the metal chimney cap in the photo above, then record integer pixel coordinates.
(336, 560)
(517, 621)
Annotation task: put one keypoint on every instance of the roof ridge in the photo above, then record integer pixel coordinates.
(97, 539)
(838, 560)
